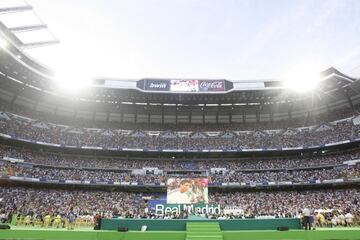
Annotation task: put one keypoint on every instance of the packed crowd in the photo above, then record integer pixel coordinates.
(320, 135)
(82, 175)
(38, 203)
(61, 166)
(33, 202)
(295, 176)
(57, 159)
(288, 203)
(298, 176)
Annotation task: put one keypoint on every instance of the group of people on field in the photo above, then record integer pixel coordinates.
(312, 219)
(49, 219)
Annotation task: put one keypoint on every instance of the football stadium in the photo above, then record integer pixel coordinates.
(173, 158)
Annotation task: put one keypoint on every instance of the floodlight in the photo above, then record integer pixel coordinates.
(70, 82)
(302, 80)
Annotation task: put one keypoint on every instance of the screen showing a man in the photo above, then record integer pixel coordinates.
(187, 191)
(184, 85)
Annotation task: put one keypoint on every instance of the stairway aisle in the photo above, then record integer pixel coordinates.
(203, 231)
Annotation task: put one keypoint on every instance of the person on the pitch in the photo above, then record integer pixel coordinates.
(71, 217)
(307, 218)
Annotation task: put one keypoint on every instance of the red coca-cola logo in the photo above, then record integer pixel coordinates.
(211, 86)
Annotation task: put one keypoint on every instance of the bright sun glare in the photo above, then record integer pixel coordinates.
(302, 79)
(70, 81)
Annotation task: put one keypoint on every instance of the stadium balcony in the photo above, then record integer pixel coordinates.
(48, 158)
(340, 132)
(28, 175)
(50, 169)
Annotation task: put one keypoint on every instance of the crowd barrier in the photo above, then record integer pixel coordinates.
(180, 224)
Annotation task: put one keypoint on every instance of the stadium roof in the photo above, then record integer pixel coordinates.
(25, 81)
(24, 27)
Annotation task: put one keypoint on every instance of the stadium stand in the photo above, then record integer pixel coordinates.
(110, 150)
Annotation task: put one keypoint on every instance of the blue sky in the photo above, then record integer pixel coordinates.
(238, 40)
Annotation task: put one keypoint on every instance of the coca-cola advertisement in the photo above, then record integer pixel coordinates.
(211, 85)
(157, 85)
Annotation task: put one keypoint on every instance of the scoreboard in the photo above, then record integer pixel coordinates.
(185, 85)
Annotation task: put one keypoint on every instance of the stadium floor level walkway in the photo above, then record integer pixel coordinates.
(203, 231)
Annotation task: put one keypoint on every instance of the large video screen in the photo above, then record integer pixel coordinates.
(184, 85)
(187, 190)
